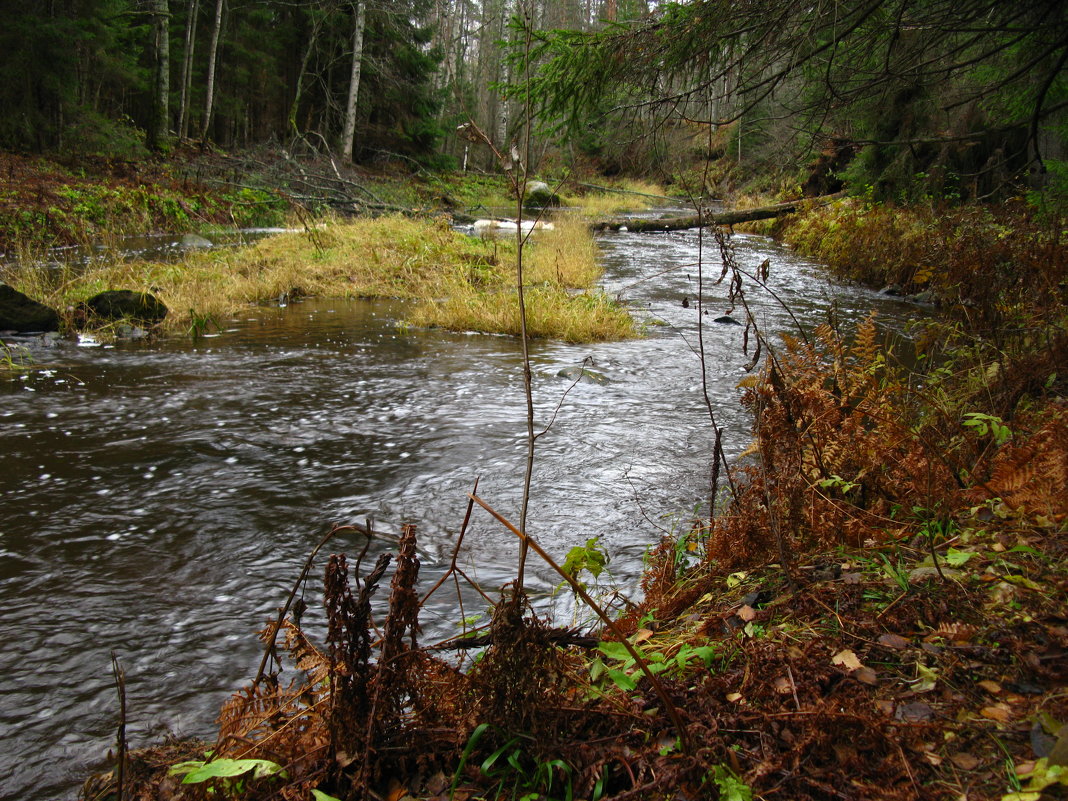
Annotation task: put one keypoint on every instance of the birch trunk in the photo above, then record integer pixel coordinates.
(349, 134)
(213, 55)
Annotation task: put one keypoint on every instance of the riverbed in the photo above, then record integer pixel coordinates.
(160, 497)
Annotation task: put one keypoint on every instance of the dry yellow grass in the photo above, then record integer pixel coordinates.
(595, 204)
(386, 257)
(554, 262)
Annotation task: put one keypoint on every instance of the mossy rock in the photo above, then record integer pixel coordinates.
(125, 304)
(538, 195)
(23, 314)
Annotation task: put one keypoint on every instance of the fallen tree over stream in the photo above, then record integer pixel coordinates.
(705, 218)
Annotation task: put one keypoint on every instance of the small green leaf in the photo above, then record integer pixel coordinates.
(730, 787)
(622, 680)
(319, 795)
(957, 558)
(596, 670)
(615, 650)
(228, 768)
(706, 653)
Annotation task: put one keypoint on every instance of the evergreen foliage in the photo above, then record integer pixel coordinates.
(947, 98)
(80, 75)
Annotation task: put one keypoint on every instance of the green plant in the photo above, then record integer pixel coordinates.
(512, 765)
(984, 424)
(838, 483)
(729, 786)
(896, 572)
(199, 323)
(229, 770)
(624, 676)
(14, 358)
(591, 558)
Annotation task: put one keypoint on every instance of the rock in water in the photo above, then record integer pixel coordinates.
(24, 314)
(191, 241)
(583, 375)
(119, 304)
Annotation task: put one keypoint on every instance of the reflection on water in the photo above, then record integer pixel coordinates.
(160, 498)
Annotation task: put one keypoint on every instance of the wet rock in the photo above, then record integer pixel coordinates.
(726, 319)
(125, 331)
(192, 241)
(124, 304)
(538, 195)
(23, 314)
(583, 375)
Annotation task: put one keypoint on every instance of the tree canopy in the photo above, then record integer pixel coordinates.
(970, 88)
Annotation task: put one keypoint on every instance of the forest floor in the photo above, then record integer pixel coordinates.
(879, 610)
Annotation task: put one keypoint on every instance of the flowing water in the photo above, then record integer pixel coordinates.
(160, 498)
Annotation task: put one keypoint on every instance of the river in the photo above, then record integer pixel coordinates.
(159, 498)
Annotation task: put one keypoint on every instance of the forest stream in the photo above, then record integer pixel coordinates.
(161, 497)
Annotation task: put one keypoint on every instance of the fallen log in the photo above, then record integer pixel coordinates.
(732, 217)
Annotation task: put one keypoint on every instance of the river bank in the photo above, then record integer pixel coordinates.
(457, 282)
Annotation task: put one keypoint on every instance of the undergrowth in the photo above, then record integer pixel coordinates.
(994, 268)
(44, 204)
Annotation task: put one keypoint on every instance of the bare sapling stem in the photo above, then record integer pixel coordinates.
(719, 458)
(120, 738)
(516, 165)
(520, 180)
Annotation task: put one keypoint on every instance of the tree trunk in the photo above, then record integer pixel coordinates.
(213, 55)
(298, 92)
(721, 218)
(161, 95)
(349, 134)
(187, 68)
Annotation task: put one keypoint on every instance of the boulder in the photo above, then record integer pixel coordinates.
(583, 375)
(538, 195)
(24, 314)
(124, 304)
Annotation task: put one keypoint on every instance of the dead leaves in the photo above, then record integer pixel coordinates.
(860, 672)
